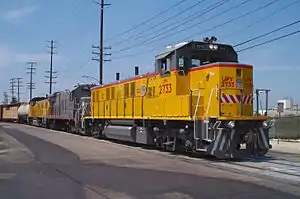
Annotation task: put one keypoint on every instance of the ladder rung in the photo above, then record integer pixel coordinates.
(168, 143)
(202, 150)
(207, 140)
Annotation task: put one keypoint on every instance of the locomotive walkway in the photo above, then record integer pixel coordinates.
(41, 163)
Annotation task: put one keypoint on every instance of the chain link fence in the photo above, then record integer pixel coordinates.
(286, 127)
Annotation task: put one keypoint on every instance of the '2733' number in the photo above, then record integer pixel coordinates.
(227, 84)
(165, 88)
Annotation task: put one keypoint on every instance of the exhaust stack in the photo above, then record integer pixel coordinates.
(117, 76)
(136, 71)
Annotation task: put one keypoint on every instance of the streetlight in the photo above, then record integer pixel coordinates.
(90, 77)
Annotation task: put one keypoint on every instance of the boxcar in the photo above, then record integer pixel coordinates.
(10, 112)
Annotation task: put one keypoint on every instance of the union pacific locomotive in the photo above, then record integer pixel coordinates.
(199, 99)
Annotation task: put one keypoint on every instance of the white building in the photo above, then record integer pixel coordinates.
(287, 103)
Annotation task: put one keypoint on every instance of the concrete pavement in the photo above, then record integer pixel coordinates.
(285, 147)
(40, 163)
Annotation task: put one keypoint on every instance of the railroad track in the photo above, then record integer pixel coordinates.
(277, 169)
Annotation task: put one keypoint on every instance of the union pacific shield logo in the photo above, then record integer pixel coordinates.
(144, 89)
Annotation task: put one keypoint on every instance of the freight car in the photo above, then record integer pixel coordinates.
(1, 112)
(200, 99)
(23, 113)
(9, 112)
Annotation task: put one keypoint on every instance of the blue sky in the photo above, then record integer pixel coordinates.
(26, 25)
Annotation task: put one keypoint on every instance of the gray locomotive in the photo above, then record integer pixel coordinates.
(64, 111)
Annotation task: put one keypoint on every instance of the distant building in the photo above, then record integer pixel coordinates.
(287, 103)
(274, 113)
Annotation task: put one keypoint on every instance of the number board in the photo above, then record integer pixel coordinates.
(203, 46)
(165, 88)
(200, 46)
(227, 81)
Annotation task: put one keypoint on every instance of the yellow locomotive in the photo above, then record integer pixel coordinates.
(38, 111)
(199, 99)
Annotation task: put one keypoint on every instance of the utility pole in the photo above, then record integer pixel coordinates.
(31, 85)
(19, 85)
(12, 90)
(50, 71)
(5, 101)
(101, 47)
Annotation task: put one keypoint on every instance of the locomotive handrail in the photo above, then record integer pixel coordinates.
(195, 113)
(197, 104)
(209, 101)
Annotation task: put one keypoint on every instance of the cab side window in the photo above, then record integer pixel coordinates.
(165, 64)
(196, 62)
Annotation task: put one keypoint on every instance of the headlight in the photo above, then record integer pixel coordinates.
(231, 124)
(265, 124)
(213, 47)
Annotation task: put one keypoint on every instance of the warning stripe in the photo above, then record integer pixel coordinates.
(233, 99)
(247, 99)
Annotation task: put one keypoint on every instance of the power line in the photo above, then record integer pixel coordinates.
(134, 54)
(269, 41)
(85, 63)
(150, 40)
(214, 27)
(241, 50)
(203, 21)
(31, 85)
(138, 35)
(50, 71)
(98, 54)
(268, 33)
(146, 21)
(261, 19)
(234, 19)
(80, 66)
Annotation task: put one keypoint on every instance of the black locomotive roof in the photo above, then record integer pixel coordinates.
(198, 46)
(36, 99)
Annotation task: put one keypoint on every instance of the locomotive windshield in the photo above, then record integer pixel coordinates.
(207, 53)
